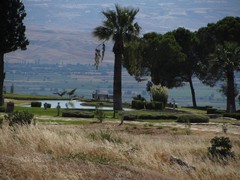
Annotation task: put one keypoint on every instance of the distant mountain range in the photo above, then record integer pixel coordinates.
(60, 30)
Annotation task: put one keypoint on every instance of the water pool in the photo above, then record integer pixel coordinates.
(73, 104)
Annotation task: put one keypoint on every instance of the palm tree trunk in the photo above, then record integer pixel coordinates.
(231, 107)
(117, 79)
(2, 76)
(117, 83)
(192, 92)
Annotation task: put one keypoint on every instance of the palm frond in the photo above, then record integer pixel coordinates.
(102, 33)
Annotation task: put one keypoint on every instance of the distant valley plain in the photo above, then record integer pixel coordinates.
(46, 79)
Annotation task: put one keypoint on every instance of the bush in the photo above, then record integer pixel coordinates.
(190, 118)
(78, 114)
(154, 105)
(221, 148)
(160, 94)
(214, 111)
(149, 105)
(158, 105)
(19, 118)
(156, 116)
(129, 117)
(139, 97)
(2, 109)
(36, 104)
(211, 111)
(232, 115)
(148, 117)
(99, 114)
(46, 105)
(137, 104)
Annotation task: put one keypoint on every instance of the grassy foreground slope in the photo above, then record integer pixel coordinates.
(70, 148)
(107, 151)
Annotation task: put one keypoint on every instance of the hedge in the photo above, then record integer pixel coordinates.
(78, 114)
(149, 105)
(148, 117)
(36, 104)
(191, 118)
(137, 104)
(158, 105)
(214, 111)
(232, 115)
(2, 109)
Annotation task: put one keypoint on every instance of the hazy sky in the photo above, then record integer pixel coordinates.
(154, 15)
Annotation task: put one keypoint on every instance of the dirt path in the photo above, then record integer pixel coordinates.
(232, 128)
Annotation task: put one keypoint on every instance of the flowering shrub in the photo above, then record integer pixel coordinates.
(159, 93)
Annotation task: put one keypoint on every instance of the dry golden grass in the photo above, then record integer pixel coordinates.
(106, 151)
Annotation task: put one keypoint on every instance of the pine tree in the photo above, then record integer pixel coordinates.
(12, 33)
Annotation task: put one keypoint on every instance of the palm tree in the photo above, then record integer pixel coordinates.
(61, 94)
(120, 27)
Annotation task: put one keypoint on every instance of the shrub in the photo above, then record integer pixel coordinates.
(99, 114)
(149, 105)
(211, 111)
(19, 118)
(36, 104)
(139, 97)
(78, 114)
(148, 116)
(214, 111)
(159, 93)
(232, 115)
(2, 109)
(129, 117)
(221, 148)
(191, 118)
(158, 105)
(137, 104)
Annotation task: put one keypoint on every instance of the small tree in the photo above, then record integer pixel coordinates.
(99, 113)
(159, 93)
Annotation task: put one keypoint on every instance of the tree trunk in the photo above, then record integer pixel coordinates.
(192, 92)
(117, 79)
(231, 107)
(2, 76)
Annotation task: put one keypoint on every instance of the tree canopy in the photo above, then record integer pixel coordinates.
(220, 43)
(210, 54)
(12, 33)
(155, 55)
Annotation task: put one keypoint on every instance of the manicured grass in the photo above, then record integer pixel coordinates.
(38, 111)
